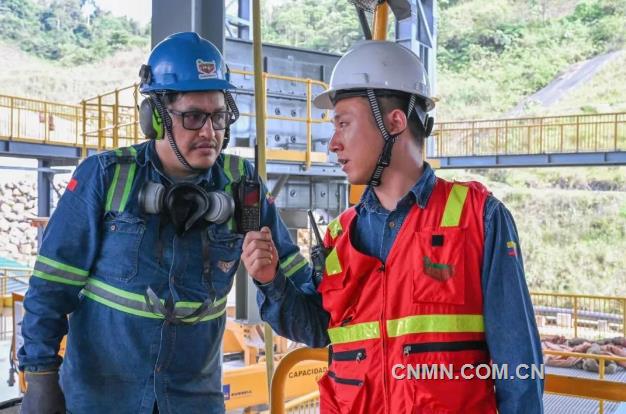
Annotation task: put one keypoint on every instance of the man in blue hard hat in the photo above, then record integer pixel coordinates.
(141, 252)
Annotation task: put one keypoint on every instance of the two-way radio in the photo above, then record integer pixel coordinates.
(248, 210)
(318, 252)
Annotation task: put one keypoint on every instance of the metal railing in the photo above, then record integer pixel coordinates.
(11, 279)
(277, 397)
(598, 389)
(543, 135)
(111, 120)
(585, 316)
(32, 120)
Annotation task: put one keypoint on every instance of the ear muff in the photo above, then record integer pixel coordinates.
(150, 120)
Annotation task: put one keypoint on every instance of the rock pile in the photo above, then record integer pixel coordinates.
(18, 203)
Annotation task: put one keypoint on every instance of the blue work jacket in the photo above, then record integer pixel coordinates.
(99, 255)
(510, 327)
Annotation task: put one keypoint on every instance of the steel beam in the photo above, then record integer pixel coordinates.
(536, 160)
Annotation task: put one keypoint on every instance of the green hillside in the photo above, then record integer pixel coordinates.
(493, 54)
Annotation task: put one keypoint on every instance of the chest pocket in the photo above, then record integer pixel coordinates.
(119, 250)
(439, 266)
(224, 254)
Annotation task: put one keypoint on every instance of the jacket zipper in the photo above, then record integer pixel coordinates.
(452, 346)
(345, 381)
(383, 332)
(354, 355)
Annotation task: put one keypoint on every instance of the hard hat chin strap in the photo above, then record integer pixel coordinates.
(384, 158)
(426, 123)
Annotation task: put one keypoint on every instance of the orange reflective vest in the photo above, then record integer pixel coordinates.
(403, 331)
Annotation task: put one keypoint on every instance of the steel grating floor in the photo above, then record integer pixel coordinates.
(558, 404)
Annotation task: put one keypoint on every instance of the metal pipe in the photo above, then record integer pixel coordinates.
(381, 17)
(277, 396)
(84, 148)
(308, 124)
(259, 99)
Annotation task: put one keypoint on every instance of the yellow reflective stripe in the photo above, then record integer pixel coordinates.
(352, 333)
(333, 266)
(454, 206)
(435, 323)
(335, 228)
(292, 264)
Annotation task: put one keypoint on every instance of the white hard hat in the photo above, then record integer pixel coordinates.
(375, 64)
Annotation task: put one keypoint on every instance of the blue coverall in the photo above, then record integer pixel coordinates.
(99, 255)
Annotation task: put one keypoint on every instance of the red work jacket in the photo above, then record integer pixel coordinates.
(403, 331)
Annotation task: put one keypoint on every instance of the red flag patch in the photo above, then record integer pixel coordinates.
(72, 184)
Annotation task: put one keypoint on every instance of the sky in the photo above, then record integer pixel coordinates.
(139, 10)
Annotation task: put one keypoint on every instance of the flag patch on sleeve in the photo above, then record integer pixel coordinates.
(512, 248)
(72, 184)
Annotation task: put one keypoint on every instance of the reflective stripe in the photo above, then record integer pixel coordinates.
(353, 333)
(454, 206)
(333, 266)
(435, 323)
(120, 187)
(292, 264)
(135, 304)
(234, 169)
(335, 228)
(51, 270)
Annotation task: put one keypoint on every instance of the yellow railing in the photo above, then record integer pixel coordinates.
(8, 274)
(32, 120)
(111, 120)
(573, 315)
(597, 389)
(277, 397)
(543, 135)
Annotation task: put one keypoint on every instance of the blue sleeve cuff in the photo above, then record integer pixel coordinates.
(275, 289)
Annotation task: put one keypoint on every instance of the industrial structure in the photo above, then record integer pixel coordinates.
(302, 175)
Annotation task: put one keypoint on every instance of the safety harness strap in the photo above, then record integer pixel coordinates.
(119, 190)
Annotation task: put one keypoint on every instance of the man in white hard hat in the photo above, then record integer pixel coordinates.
(423, 293)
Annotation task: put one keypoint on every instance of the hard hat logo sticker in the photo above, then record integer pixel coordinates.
(207, 69)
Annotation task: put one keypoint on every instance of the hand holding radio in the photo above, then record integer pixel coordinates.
(259, 255)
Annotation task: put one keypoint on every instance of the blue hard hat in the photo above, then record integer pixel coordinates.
(185, 62)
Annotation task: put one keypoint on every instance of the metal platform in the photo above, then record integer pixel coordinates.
(559, 404)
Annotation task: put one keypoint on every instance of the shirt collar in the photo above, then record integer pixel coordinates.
(419, 193)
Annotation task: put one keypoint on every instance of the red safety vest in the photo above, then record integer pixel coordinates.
(420, 314)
